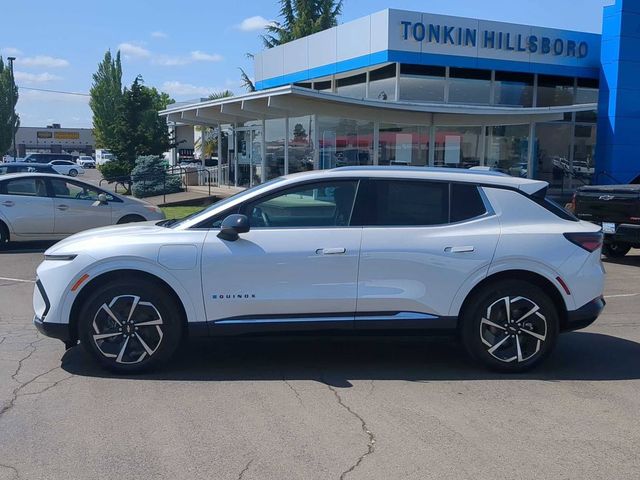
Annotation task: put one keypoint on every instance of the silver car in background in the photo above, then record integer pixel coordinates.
(51, 207)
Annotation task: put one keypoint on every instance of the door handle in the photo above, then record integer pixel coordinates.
(331, 251)
(8, 203)
(467, 249)
(63, 207)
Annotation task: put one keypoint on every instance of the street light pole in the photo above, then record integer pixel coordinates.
(13, 115)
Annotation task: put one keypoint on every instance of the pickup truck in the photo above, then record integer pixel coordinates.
(617, 209)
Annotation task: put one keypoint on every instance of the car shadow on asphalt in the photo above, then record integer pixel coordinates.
(630, 260)
(580, 356)
(26, 247)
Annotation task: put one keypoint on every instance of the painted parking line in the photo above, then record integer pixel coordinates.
(623, 295)
(19, 280)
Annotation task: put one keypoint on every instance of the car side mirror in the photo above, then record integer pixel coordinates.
(233, 226)
(102, 198)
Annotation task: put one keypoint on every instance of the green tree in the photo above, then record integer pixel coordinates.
(106, 98)
(301, 18)
(9, 120)
(138, 129)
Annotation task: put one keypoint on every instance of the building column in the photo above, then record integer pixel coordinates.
(531, 149)
(619, 103)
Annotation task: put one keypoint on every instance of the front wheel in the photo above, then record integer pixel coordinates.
(615, 249)
(73, 172)
(130, 326)
(510, 326)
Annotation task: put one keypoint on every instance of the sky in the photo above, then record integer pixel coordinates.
(191, 48)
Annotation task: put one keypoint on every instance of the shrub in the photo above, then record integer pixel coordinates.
(150, 177)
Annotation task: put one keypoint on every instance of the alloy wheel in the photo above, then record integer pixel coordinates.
(513, 329)
(127, 329)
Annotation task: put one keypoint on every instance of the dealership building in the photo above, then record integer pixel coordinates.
(54, 139)
(419, 89)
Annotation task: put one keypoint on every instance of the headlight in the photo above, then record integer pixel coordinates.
(60, 258)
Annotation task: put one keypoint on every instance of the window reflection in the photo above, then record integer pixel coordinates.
(507, 149)
(468, 85)
(382, 83)
(552, 156)
(403, 145)
(420, 83)
(354, 86)
(345, 142)
(555, 91)
(513, 89)
(457, 147)
(300, 144)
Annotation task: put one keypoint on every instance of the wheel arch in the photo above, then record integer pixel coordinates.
(5, 228)
(108, 276)
(135, 216)
(534, 278)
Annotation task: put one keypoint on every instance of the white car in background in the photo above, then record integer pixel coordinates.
(86, 162)
(37, 206)
(480, 255)
(66, 167)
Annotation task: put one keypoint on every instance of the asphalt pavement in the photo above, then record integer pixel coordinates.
(389, 408)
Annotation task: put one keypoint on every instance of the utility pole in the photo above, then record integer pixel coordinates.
(13, 100)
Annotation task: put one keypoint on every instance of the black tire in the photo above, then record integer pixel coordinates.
(4, 235)
(73, 172)
(144, 342)
(519, 346)
(131, 219)
(615, 249)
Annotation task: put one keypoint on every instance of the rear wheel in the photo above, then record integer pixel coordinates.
(130, 326)
(510, 326)
(615, 249)
(73, 172)
(4, 235)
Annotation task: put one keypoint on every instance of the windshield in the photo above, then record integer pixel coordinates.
(176, 223)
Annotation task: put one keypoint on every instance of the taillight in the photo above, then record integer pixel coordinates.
(589, 241)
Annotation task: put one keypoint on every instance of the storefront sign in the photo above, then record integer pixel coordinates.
(44, 135)
(492, 39)
(67, 135)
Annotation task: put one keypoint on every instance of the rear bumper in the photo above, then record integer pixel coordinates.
(585, 315)
(60, 331)
(625, 233)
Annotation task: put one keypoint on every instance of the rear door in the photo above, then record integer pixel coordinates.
(77, 207)
(26, 207)
(421, 242)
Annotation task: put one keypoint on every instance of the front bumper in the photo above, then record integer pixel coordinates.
(585, 315)
(60, 331)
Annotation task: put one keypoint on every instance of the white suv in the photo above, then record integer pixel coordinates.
(367, 250)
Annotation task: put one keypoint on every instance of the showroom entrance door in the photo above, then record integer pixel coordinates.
(248, 156)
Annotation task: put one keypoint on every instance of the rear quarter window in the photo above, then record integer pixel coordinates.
(466, 202)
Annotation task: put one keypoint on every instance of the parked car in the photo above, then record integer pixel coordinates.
(617, 209)
(65, 167)
(21, 167)
(36, 206)
(352, 250)
(47, 157)
(86, 162)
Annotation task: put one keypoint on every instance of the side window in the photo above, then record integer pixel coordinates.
(466, 202)
(323, 204)
(31, 187)
(402, 203)
(74, 191)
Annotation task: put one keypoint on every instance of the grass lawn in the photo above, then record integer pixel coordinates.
(180, 212)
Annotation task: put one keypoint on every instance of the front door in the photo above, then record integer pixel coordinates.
(76, 207)
(248, 166)
(421, 242)
(295, 270)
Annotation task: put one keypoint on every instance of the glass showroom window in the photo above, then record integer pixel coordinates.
(274, 138)
(420, 83)
(403, 145)
(507, 149)
(382, 83)
(355, 86)
(458, 147)
(587, 92)
(300, 144)
(323, 86)
(583, 165)
(513, 89)
(555, 91)
(345, 142)
(469, 86)
(553, 155)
